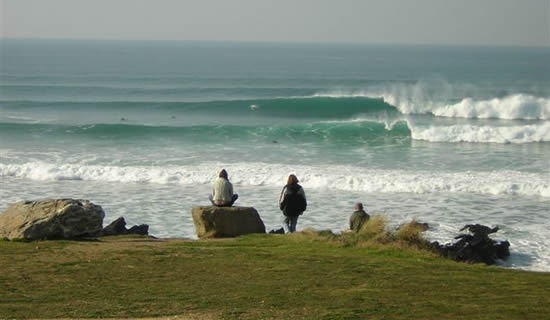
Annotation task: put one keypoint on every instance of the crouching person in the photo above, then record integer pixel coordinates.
(358, 218)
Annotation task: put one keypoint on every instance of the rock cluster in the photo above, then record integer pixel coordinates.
(51, 219)
(475, 247)
(60, 219)
(277, 231)
(217, 222)
(118, 227)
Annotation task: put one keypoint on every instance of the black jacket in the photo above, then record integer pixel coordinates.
(292, 200)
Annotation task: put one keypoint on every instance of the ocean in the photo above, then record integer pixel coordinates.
(445, 135)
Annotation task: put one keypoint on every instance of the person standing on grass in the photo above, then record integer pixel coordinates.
(222, 193)
(292, 202)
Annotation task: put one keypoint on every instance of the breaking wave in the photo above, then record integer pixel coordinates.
(501, 182)
(484, 134)
(513, 107)
(340, 132)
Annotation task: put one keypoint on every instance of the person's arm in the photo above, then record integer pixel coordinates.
(303, 194)
(282, 198)
(230, 189)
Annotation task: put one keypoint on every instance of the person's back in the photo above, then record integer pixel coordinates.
(358, 218)
(292, 202)
(222, 193)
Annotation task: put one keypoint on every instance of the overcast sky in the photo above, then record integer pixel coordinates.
(457, 22)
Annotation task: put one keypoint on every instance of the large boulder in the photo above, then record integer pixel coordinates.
(217, 222)
(51, 219)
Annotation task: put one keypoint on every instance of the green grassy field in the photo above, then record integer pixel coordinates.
(300, 276)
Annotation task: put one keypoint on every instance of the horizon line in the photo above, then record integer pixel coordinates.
(290, 42)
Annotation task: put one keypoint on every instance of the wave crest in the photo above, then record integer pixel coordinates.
(514, 107)
(415, 101)
(503, 182)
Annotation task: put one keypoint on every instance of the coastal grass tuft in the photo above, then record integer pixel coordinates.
(374, 233)
(410, 234)
(307, 275)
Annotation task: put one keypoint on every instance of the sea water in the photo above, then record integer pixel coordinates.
(444, 135)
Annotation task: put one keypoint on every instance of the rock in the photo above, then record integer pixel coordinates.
(118, 227)
(277, 231)
(51, 219)
(216, 222)
(478, 229)
(142, 229)
(114, 228)
(502, 249)
(475, 247)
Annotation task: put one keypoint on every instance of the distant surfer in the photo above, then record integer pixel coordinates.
(123, 119)
(253, 107)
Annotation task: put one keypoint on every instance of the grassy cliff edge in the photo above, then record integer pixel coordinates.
(306, 275)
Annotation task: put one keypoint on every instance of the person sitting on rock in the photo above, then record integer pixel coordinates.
(358, 218)
(222, 194)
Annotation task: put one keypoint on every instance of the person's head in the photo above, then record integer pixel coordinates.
(292, 179)
(223, 174)
(358, 206)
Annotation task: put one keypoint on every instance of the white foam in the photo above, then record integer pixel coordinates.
(512, 107)
(346, 178)
(22, 119)
(414, 100)
(483, 134)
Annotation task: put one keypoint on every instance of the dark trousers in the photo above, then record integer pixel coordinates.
(290, 223)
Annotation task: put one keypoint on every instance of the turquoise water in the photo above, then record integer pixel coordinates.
(446, 135)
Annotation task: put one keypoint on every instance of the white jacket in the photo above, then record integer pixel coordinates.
(222, 192)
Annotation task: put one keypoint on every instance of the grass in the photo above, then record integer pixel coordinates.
(375, 274)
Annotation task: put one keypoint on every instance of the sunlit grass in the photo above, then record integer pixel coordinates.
(374, 274)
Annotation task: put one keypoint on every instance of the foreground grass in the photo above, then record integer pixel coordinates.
(253, 277)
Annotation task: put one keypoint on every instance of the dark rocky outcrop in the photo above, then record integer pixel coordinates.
(475, 247)
(277, 231)
(216, 222)
(141, 229)
(118, 227)
(51, 219)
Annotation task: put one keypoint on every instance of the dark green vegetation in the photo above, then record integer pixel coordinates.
(306, 275)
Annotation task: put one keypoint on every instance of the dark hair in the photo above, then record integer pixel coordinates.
(292, 179)
(223, 174)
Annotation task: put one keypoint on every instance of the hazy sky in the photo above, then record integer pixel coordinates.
(474, 22)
